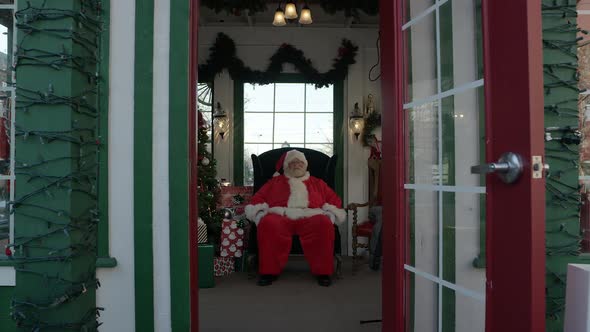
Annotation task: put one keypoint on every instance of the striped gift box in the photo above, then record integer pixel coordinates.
(202, 233)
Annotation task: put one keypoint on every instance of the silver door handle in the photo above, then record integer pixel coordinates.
(508, 168)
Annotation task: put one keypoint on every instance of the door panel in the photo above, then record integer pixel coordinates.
(466, 251)
(424, 232)
(444, 141)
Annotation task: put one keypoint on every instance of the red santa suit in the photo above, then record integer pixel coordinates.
(287, 206)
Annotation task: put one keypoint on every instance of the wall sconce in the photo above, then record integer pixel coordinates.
(357, 121)
(220, 121)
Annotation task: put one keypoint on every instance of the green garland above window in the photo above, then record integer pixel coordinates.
(235, 6)
(350, 7)
(223, 56)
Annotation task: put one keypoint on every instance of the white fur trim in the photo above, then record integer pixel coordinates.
(339, 213)
(277, 210)
(276, 174)
(299, 197)
(294, 154)
(252, 210)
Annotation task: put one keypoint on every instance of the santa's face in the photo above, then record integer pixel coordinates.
(297, 168)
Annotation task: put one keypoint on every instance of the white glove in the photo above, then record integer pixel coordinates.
(259, 217)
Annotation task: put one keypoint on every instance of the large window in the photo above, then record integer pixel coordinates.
(286, 114)
(205, 106)
(7, 95)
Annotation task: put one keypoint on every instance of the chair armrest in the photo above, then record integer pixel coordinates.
(354, 208)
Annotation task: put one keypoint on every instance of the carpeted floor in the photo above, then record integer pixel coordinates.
(295, 302)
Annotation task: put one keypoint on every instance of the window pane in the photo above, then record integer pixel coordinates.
(258, 98)
(205, 105)
(289, 127)
(416, 7)
(6, 24)
(288, 145)
(250, 149)
(319, 128)
(290, 97)
(326, 148)
(420, 61)
(319, 100)
(258, 128)
(4, 215)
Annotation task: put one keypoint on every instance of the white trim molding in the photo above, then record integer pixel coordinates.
(7, 276)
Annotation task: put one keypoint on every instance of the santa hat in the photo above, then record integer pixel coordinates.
(288, 157)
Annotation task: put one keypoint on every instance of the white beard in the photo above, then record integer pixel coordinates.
(295, 173)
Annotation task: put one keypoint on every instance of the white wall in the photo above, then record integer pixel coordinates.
(117, 294)
(256, 45)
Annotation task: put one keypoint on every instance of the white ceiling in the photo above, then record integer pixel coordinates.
(320, 18)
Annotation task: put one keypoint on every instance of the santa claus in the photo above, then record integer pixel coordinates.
(295, 203)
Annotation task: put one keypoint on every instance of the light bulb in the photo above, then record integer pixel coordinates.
(305, 16)
(290, 10)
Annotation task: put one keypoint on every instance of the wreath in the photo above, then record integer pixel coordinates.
(223, 56)
(372, 121)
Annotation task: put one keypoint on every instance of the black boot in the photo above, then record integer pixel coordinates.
(324, 280)
(266, 280)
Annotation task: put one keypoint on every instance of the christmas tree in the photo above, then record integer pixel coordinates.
(208, 186)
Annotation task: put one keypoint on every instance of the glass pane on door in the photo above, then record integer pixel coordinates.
(444, 122)
(423, 304)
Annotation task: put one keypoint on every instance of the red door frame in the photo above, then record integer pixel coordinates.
(193, 212)
(394, 196)
(513, 57)
(515, 290)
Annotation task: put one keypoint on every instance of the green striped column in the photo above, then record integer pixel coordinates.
(179, 164)
(142, 170)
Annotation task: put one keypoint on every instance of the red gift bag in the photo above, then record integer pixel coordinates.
(232, 239)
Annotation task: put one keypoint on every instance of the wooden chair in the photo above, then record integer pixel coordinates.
(321, 166)
(365, 229)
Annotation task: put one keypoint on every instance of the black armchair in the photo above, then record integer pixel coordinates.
(321, 166)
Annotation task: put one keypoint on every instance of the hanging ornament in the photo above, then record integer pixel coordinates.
(227, 213)
(8, 252)
(205, 161)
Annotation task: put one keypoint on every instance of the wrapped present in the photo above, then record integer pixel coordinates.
(232, 239)
(206, 279)
(235, 197)
(223, 266)
(202, 232)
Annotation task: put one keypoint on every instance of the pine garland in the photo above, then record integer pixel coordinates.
(350, 7)
(223, 56)
(372, 121)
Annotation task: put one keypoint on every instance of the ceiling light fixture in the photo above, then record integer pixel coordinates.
(279, 19)
(290, 11)
(305, 15)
